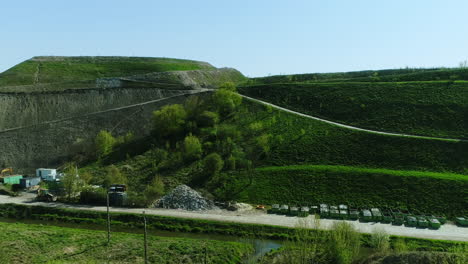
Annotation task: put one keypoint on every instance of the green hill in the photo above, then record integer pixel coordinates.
(66, 69)
(390, 75)
(428, 108)
(267, 137)
(436, 193)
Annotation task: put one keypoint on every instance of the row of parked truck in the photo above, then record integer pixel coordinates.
(395, 217)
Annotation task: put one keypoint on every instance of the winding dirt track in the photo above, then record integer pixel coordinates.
(446, 232)
(351, 127)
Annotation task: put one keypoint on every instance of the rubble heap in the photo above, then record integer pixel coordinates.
(184, 197)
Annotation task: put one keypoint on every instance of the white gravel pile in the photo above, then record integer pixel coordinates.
(184, 197)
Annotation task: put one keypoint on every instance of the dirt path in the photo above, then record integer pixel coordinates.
(446, 232)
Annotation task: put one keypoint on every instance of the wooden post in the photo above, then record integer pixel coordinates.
(108, 219)
(145, 237)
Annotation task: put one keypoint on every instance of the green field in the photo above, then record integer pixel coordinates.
(436, 193)
(428, 108)
(29, 243)
(72, 69)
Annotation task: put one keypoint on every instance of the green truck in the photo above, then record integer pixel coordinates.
(366, 215)
(411, 221)
(304, 211)
(433, 222)
(353, 214)
(376, 214)
(461, 221)
(274, 209)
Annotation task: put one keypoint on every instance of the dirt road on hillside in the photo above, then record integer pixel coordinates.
(350, 127)
(446, 232)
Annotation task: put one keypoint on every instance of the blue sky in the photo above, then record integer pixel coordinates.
(257, 37)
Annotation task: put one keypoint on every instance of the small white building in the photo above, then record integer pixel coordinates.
(47, 174)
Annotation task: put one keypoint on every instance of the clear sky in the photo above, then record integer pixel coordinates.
(257, 37)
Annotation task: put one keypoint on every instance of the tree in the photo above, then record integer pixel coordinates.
(170, 120)
(208, 119)
(154, 190)
(212, 164)
(230, 86)
(345, 243)
(114, 176)
(263, 143)
(192, 148)
(104, 143)
(71, 181)
(86, 177)
(380, 240)
(193, 107)
(226, 101)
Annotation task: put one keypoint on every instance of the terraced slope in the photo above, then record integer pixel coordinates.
(66, 69)
(436, 108)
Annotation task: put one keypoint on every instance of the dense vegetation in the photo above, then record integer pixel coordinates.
(434, 108)
(390, 75)
(63, 69)
(21, 243)
(434, 193)
(196, 143)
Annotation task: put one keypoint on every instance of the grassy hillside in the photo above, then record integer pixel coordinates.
(434, 108)
(437, 193)
(264, 137)
(21, 243)
(298, 140)
(66, 69)
(390, 75)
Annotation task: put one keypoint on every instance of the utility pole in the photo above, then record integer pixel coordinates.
(145, 237)
(108, 219)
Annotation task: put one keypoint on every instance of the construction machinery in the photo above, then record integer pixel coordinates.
(44, 195)
(4, 171)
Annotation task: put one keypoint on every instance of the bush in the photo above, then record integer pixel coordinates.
(170, 120)
(226, 101)
(104, 143)
(345, 243)
(212, 164)
(380, 240)
(192, 148)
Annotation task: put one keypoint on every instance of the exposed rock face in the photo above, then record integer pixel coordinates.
(184, 197)
(52, 143)
(195, 79)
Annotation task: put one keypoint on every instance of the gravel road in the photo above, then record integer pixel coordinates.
(448, 231)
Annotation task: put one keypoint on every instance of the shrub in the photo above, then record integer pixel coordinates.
(170, 120)
(192, 148)
(104, 143)
(344, 243)
(380, 240)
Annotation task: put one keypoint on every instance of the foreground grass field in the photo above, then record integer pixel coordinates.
(428, 108)
(27, 243)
